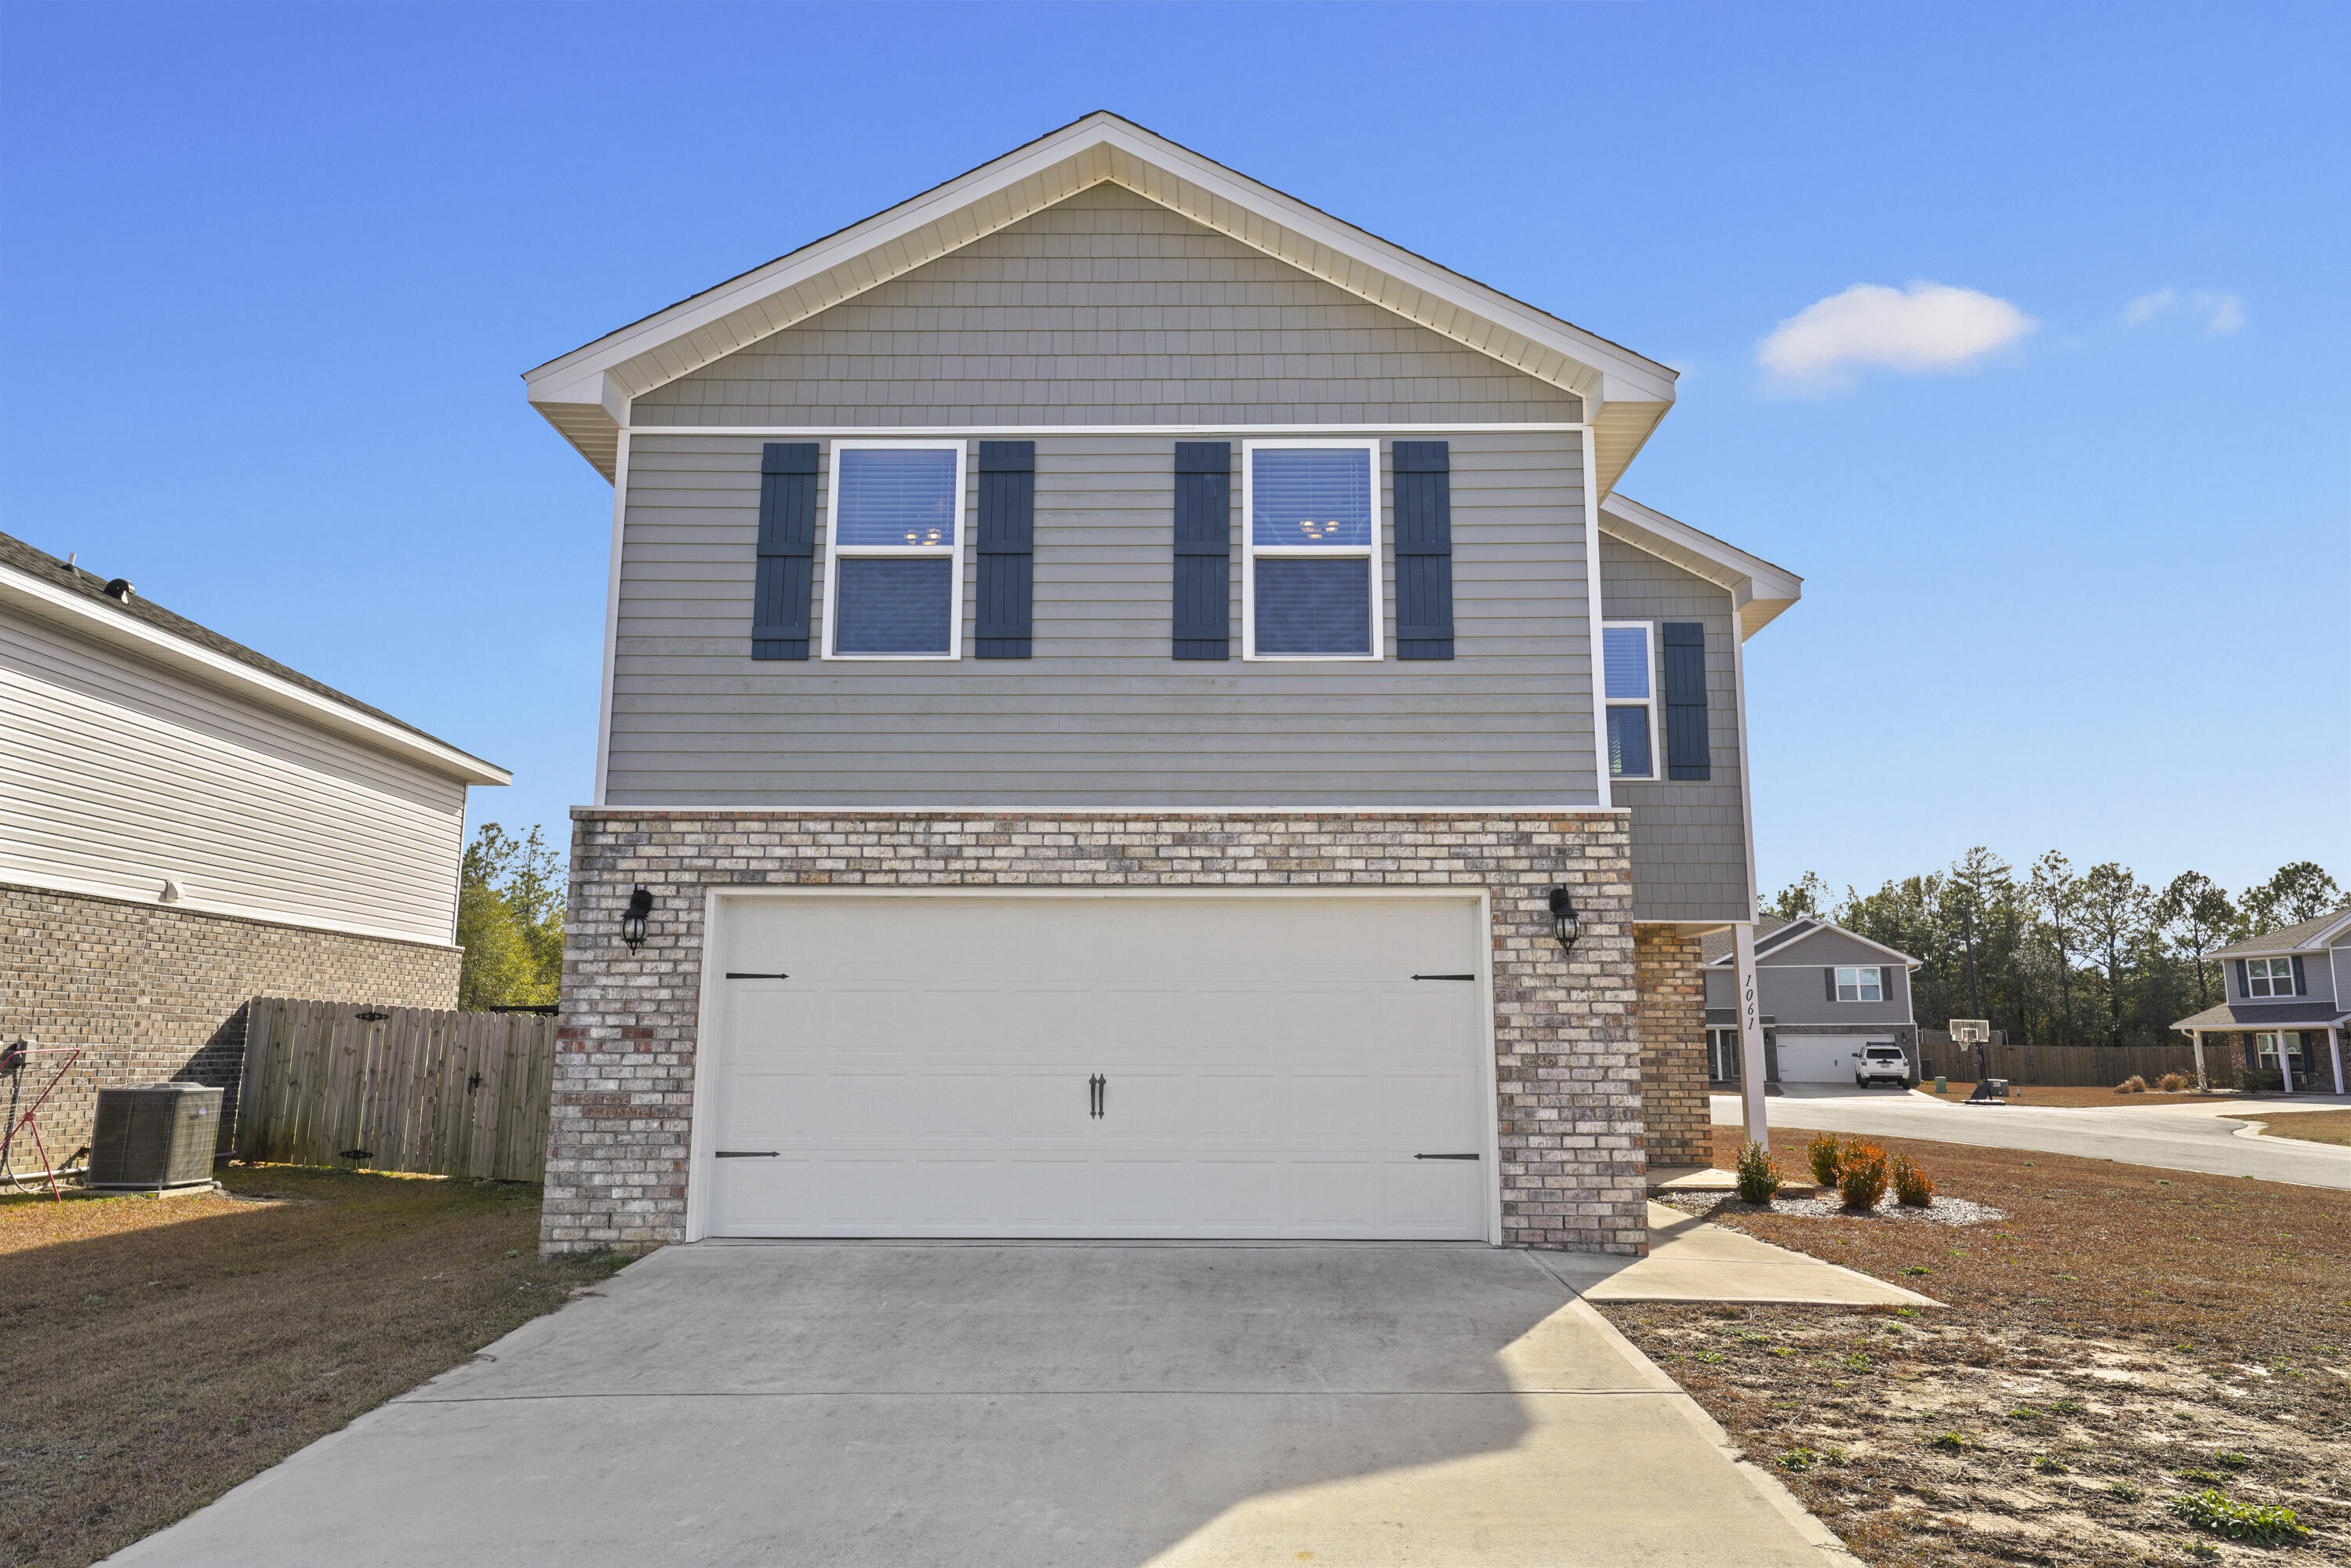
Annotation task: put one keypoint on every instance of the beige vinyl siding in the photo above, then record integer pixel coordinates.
(1102, 716)
(1105, 309)
(1689, 839)
(122, 774)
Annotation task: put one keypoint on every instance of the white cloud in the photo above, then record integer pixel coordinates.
(2228, 312)
(1928, 327)
(2223, 313)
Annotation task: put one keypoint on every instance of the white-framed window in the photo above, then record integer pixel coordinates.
(893, 550)
(1628, 658)
(2265, 1048)
(1859, 984)
(1311, 549)
(2269, 976)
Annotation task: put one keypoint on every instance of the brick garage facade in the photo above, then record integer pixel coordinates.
(1573, 1161)
(1670, 982)
(152, 993)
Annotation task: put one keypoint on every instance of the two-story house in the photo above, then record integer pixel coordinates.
(1131, 707)
(186, 824)
(2286, 993)
(1825, 993)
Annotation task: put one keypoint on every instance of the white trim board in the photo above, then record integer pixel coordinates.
(953, 552)
(1251, 551)
(585, 393)
(612, 616)
(849, 433)
(711, 979)
(105, 624)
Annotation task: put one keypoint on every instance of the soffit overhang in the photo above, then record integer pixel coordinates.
(585, 393)
(1759, 590)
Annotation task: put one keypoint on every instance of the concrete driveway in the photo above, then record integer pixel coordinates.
(2177, 1137)
(890, 1403)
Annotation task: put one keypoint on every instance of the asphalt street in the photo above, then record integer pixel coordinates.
(2178, 1138)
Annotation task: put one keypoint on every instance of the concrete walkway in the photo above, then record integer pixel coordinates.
(2183, 1136)
(1690, 1261)
(1168, 1406)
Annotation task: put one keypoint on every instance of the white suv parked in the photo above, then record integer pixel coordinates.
(1881, 1064)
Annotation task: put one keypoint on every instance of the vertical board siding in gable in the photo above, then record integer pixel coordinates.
(1102, 715)
(1106, 308)
(1689, 839)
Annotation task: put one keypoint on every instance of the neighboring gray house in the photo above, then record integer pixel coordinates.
(1110, 671)
(1825, 992)
(186, 824)
(2285, 1000)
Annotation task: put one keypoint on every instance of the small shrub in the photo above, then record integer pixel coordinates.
(1827, 1157)
(2134, 1085)
(2175, 1083)
(2066, 1408)
(1917, 1268)
(2229, 1461)
(1758, 1176)
(1952, 1442)
(1863, 1180)
(1913, 1188)
(1799, 1460)
(2126, 1491)
(2048, 1465)
(2262, 1524)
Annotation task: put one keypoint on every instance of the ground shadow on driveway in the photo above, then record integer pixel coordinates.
(896, 1404)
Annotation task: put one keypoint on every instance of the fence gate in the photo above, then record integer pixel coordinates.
(415, 1089)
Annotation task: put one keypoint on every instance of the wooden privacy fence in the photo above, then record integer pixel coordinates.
(2075, 1066)
(416, 1089)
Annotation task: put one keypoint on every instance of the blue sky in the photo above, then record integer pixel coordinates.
(270, 275)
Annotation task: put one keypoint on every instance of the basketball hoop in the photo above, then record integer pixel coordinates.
(1971, 1031)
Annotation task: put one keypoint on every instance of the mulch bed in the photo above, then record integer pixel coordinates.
(153, 1353)
(2119, 1337)
(1942, 1211)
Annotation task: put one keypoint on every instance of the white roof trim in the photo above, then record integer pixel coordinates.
(586, 392)
(1758, 590)
(1805, 930)
(48, 601)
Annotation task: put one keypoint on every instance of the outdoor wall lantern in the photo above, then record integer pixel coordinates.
(1565, 924)
(633, 923)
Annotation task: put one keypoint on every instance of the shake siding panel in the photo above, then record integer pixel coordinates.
(1689, 860)
(1102, 714)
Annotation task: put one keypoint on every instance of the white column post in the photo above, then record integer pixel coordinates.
(1750, 1037)
(2196, 1038)
(2335, 1048)
(2285, 1059)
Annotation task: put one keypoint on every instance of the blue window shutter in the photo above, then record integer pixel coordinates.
(1829, 975)
(1424, 550)
(787, 564)
(2300, 985)
(1007, 531)
(1204, 546)
(2244, 986)
(1687, 754)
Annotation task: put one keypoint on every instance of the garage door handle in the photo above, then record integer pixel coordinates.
(747, 1154)
(1445, 977)
(1445, 1157)
(1097, 1091)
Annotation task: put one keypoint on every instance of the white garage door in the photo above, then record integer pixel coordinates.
(1111, 1067)
(1822, 1058)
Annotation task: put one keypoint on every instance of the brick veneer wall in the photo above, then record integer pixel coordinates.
(1670, 981)
(1573, 1162)
(153, 993)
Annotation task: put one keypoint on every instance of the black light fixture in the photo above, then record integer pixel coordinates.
(1565, 924)
(633, 923)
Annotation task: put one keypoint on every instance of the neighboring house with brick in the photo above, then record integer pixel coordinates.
(186, 824)
(2282, 1015)
(1826, 992)
(1110, 673)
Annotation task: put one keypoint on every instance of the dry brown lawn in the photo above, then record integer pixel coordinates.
(154, 1353)
(2125, 1336)
(2037, 1095)
(2311, 1126)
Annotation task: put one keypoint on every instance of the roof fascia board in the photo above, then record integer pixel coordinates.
(49, 602)
(606, 373)
(1758, 590)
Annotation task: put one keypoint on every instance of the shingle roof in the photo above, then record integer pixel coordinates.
(1715, 945)
(15, 552)
(2266, 1015)
(2284, 940)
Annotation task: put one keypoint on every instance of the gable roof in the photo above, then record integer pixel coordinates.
(585, 393)
(2308, 933)
(40, 584)
(1758, 590)
(1777, 934)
